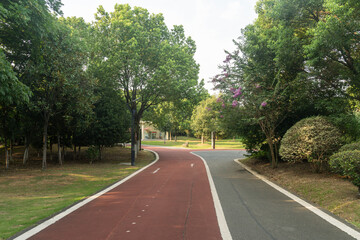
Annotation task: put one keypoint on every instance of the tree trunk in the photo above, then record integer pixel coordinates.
(26, 152)
(51, 150)
(11, 151)
(59, 149)
(170, 136)
(202, 139)
(175, 137)
(45, 138)
(79, 152)
(100, 154)
(74, 153)
(63, 152)
(7, 163)
(213, 140)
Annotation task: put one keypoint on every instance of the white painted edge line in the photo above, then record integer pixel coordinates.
(224, 229)
(352, 232)
(61, 215)
(156, 171)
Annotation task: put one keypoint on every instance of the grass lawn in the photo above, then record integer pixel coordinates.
(327, 190)
(28, 194)
(195, 143)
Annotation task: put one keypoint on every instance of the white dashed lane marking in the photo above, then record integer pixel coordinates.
(156, 171)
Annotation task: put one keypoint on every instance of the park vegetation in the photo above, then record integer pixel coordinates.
(71, 83)
(298, 60)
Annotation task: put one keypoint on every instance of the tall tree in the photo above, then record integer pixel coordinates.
(150, 63)
(334, 49)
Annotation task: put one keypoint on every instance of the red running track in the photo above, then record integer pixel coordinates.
(170, 200)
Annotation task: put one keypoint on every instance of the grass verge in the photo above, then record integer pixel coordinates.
(327, 190)
(195, 143)
(28, 194)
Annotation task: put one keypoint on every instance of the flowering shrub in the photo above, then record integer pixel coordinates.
(347, 163)
(313, 139)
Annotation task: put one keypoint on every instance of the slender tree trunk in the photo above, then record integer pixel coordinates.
(100, 154)
(7, 163)
(170, 136)
(213, 140)
(63, 152)
(45, 138)
(74, 153)
(59, 149)
(175, 137)
(51, 150)
(11, 151)
(26, 152)
(139, 129)
(79, 152)
(202, 139)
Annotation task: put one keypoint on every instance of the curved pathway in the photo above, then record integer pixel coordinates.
(175, 198)
(169, 200)
(255, 210)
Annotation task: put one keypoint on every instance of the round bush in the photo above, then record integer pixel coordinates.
(347, 163)
(313, 139)
(350, 147)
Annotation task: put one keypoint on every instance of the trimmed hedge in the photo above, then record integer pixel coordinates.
(347, 163)
(313, 139)
(350, 147)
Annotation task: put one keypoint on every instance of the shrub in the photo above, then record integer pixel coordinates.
(350, 147)
(92, 153)
(313, 139)
(347, 163)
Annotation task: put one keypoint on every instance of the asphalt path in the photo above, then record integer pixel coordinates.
(178, 198)
(254, 210)
(169, 200)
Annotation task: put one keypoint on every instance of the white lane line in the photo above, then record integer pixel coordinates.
(192, 165)
(224, 229)
(307, 205)
(61, 215)
(156, 171)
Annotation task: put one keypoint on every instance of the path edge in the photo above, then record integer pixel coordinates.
(342, 226)
(224, 229)
(27, 233)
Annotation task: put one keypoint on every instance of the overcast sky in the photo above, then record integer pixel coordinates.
(213, 24)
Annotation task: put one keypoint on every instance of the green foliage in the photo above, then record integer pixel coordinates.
(347, 163)
(92, 153)
(313, 139)
(206, 117)
(333, 51)
(350, 147)
(348, 124)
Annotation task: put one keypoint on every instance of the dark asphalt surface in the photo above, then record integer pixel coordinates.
(254, 210)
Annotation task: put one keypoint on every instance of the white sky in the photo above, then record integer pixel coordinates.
(213, 24)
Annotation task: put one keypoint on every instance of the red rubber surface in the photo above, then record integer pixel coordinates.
(173, 203)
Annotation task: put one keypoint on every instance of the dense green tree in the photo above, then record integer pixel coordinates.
(206, 117)
(150, 63)
(175, 116)
(333, 52)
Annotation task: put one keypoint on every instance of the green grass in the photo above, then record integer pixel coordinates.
(195, 143)
(28, 195)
